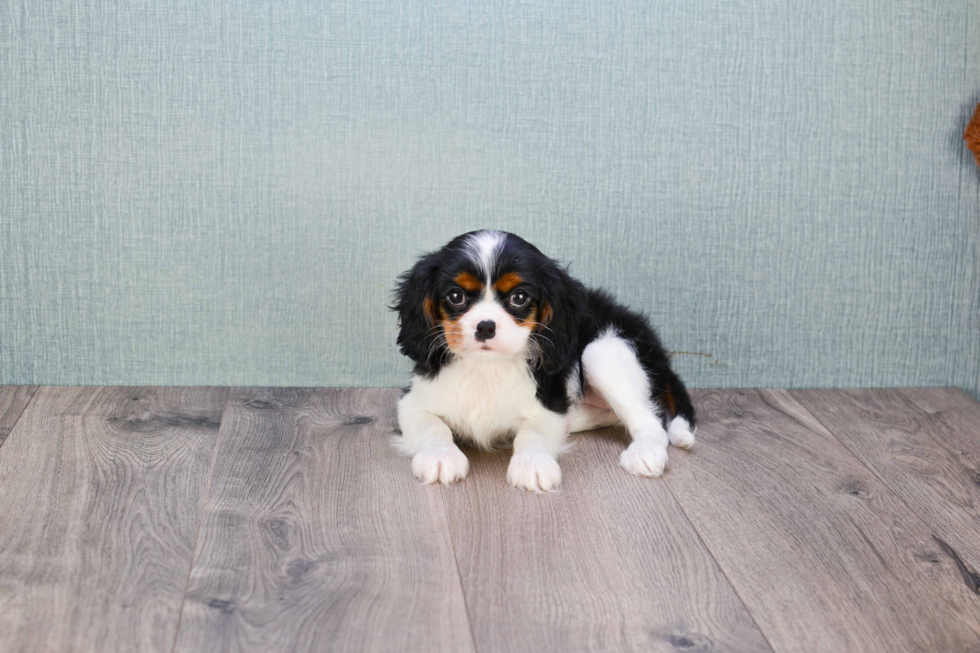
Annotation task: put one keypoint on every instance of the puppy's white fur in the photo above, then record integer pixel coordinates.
(484, 401)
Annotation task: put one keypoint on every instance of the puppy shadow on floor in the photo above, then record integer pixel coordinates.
(590, 454)
(606, 444)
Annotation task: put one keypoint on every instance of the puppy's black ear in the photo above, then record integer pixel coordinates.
(416, 303)
(562, 305)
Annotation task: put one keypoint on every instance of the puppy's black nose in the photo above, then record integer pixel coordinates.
(485, 330)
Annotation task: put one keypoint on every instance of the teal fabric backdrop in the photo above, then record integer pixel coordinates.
(223, 192)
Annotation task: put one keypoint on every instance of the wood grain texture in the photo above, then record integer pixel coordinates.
(608, 563)
(101, 491)
(930, 460)
(823, 554)
(317, 537)
(13, 401)
(937, 400)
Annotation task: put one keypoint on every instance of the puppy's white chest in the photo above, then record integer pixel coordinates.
(482, 400)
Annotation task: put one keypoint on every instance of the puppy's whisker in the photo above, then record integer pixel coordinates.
(439, 336)
(435, 332)
(437, 329)
(535, 354)
(434, 337)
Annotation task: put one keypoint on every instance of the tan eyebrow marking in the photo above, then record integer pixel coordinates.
(508, 282)
(468, 282)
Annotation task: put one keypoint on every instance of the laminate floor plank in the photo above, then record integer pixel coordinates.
(804, 520)
(101, 492)
(13, 401)
(954, 423)
(824, 555)
(934, 400)
(931, 461)
(317, 537)
(608, 563)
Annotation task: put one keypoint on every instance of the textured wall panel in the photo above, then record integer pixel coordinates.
(223, 192)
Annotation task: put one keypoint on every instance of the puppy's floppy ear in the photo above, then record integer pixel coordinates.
(562, 304)
(416, 303)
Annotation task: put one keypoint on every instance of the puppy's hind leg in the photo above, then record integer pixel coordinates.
(611, 368)
(583, 417)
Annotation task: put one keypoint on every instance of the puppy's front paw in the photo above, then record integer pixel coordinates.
(534, 470)
(644, 459)
(444, 463)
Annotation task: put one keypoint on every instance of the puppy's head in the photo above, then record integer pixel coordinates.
(488, 295)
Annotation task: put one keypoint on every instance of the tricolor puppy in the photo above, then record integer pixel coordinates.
(507, 345)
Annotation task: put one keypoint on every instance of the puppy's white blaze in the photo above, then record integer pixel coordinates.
(482, 249)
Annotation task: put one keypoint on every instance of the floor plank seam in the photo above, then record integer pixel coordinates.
(968, 577)
(200, 523)
(23, 410)
(724, 573)
(861, 462)
(459, 576)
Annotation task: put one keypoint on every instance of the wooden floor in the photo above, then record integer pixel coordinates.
(209, 519)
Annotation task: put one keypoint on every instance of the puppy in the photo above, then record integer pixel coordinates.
(507, 345)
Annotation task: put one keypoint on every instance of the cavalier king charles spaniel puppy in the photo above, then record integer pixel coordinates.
(507, 345)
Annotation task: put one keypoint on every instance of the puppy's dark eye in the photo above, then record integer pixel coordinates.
(456, 297)
(518, 299)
